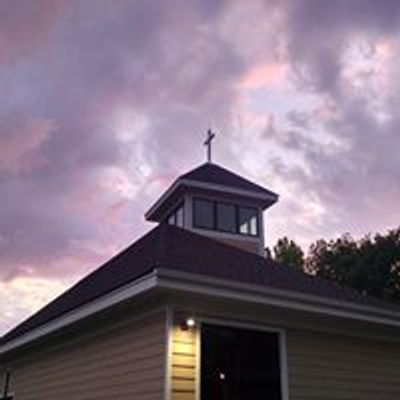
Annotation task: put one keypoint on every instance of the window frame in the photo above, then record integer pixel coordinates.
(214, 208)
(257, 234)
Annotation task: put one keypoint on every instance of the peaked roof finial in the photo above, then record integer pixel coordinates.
(210, 137)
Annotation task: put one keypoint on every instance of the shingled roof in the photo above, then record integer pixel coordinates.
(172, 248)
(210, 178)
(213, 173)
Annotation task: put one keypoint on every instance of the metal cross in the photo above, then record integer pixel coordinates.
(210, 137)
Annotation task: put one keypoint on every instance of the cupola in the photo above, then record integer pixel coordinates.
(218, 203)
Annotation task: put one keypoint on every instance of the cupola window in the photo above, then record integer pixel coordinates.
(177, 217)
(248, 224)
(225, 217)
(203, 214)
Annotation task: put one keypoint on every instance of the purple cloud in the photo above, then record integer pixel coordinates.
(106, 103)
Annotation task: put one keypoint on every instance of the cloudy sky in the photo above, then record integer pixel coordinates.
(103, 103)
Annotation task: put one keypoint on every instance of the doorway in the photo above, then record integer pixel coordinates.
(239, 364)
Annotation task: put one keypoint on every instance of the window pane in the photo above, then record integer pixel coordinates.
(254, 225)
(226, 217)
(171, 219)
(179, 217)
(248, 223)
(203, 214)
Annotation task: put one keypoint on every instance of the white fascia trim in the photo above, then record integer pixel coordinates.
(208, 186)
(141, 285)
(161, 200)
(275, 297)
(228, 189)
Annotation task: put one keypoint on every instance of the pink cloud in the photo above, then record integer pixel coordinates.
(265, 75)
(178, 66)
(21, 296)
(20, 142)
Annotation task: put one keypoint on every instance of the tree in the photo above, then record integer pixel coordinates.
(288, 252)
(370, 265)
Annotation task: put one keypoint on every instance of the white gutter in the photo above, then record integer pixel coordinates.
(221, 288)
(117, 296)
(213, 287)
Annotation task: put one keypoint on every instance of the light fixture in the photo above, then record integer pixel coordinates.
(188, 323)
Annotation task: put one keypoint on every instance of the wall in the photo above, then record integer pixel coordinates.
(126, 362)
(321, 366)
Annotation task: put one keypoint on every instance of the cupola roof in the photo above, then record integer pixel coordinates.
(211, 178)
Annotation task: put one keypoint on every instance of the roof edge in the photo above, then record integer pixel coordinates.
(178, 280)
(269, 198)
(132, 289)
(195, 283)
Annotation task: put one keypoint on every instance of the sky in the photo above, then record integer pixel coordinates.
(104, 103)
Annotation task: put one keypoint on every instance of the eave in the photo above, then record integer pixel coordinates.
(176, 281)
(157, 210)
(225, 289)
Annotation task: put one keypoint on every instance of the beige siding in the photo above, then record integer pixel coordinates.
(321, 366)
(127, 362)
(184, 362)
(332, 367)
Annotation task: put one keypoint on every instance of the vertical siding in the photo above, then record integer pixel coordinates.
(331, 367)
(125, 363)
(184, 361)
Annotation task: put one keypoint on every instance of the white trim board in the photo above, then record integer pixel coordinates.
(217, 288)
(220, 288)
(168, 353)
(208, 186)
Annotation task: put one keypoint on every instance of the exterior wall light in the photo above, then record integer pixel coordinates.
(188, 323)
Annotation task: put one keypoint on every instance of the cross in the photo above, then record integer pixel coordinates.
(210, 137)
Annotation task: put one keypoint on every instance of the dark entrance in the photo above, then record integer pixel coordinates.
(238, 364)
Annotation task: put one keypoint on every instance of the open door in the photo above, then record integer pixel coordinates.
(239, 364)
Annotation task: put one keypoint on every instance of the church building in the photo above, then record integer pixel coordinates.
(194, 310)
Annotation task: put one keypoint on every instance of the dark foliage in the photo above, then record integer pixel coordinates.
(288, 252)
(370, 265)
